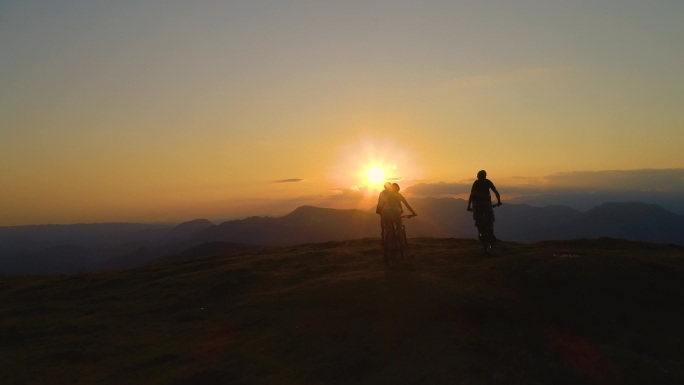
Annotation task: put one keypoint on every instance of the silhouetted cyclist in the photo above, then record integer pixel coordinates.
(389, 207)
(480, 199)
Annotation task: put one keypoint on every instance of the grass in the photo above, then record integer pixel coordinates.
(568, 312)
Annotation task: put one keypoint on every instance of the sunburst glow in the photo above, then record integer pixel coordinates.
(376, 175)
(364, 168)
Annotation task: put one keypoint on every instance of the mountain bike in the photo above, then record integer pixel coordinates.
(394, 243)
(485, 228)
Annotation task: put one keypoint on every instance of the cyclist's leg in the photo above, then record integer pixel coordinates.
(491, 219)
(388, 226)
(479, 216)
(387, 240)
(394, 228)
(399, 230)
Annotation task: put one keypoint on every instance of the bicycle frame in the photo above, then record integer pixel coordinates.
(397, 242)
(485, 228)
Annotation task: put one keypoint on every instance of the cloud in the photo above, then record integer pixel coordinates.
(292, 180)
(439, 189)
(580, 189)
(611, 180)
(443, 189)
(656, 180)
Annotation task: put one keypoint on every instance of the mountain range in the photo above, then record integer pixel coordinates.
(67, 249)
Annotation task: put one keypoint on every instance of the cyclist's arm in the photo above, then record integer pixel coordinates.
(408, 205)
(381, 203)
(496, 192)
(470, 198)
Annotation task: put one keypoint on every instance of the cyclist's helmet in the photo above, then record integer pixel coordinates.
(481, 174)
(396, 187)
(387, 186)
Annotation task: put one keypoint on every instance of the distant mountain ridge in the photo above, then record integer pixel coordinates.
(68, 249)
(190, 228)
(306, 224)
(633, 221)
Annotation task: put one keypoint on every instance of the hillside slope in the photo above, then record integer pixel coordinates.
(564, 312)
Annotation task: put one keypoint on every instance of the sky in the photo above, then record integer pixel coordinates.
(154, 111)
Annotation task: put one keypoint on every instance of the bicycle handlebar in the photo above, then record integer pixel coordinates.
(409, 216)
(493, 206)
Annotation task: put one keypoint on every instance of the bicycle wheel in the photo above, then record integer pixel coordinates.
(484, 236)
(485, 230)
(486, 244)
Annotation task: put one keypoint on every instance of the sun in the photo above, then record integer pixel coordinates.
(376, 175)
(366, 167)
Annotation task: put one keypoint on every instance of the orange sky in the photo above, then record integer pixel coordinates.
(166, 112)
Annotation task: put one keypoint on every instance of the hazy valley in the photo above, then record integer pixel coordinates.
(65, 249)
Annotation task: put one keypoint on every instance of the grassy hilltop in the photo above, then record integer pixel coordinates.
(565, 312)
